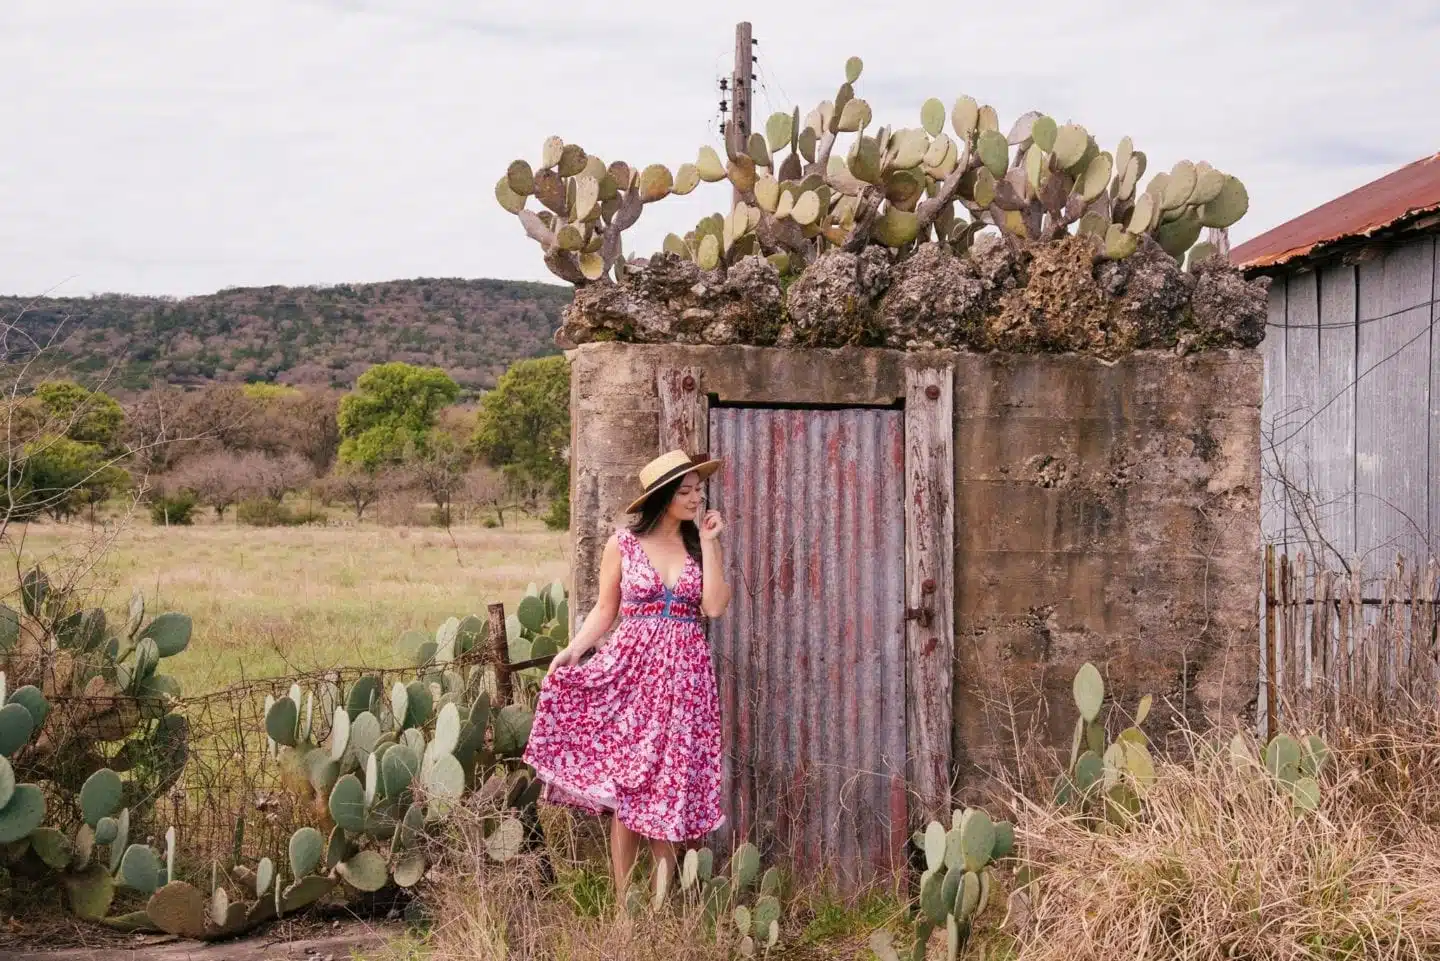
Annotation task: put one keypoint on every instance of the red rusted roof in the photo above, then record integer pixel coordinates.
(1411, 191)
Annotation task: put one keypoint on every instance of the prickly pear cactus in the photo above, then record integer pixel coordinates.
(834, 179)
(1105, 780)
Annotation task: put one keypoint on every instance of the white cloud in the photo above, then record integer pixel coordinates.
(178, 146)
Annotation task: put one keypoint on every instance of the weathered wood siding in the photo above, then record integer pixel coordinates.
(1351, 418)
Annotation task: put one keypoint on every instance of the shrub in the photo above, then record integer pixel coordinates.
(174, 509)
(263, 512)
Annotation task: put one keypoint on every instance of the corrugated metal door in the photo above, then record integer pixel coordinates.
(811, 655)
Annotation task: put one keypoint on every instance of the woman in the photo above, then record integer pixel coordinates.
(636, 730)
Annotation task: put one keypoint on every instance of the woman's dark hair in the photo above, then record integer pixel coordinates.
(655, 507)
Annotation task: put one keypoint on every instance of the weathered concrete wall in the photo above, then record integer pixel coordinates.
(1104, 511)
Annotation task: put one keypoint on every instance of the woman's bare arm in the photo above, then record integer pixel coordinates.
(714, 592)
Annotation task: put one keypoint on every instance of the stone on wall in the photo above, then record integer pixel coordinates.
(1057, 297)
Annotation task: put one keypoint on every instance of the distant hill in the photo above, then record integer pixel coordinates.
(294, 335)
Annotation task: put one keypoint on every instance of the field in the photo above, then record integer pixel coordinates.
(272, 601)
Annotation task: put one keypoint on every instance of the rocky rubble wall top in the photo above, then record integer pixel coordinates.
(1057, 297)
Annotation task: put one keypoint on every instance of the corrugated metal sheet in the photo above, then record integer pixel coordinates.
(1412, 191)
(811, 655)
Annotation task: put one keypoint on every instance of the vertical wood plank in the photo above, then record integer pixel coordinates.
(1334, 436)
(684, 410)
(1272, 350)
(929, 585)
(1271, 698)
(1345, 684)
(1297, 421)
(1393, 424)
(1286, 650)
(500, 648)
(1359, 682)
(1324, 634)
(1429, 630)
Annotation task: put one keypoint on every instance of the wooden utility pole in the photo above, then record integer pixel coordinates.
(738, 133)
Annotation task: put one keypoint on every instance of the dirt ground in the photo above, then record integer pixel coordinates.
(333, 941)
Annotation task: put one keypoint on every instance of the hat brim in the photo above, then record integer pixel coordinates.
(704, 468)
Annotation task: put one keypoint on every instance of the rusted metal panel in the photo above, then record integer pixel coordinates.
(1393, 410)
(1405, 196)
(811, 655)
(930, 585)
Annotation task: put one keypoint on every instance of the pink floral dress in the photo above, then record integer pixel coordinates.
(636, 729)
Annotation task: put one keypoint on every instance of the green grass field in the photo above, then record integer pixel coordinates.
(273, 601)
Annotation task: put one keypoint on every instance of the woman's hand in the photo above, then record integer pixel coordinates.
(567, 657)
(712, 526)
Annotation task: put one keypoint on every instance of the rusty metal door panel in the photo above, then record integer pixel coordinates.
(811, 655)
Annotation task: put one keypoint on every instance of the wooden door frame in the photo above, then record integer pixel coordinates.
(684, 407)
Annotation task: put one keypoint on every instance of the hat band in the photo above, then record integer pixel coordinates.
(671, 475)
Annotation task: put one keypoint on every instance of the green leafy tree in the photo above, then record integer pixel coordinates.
(523, 428)
(60, 477)
(86, 416)
(392, 409)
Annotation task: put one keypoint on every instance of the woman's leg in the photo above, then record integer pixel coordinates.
(663, 854)
(624, 846)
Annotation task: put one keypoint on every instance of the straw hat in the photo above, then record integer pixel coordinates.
(666, 468)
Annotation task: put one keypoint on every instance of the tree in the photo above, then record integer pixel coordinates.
(393, 406)
(356, 487)
(438, 469)
(60, 476)
(218, 480)
(523, 427)
(86, 416)
(274, 477)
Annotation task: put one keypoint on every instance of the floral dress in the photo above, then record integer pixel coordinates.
(636, 729)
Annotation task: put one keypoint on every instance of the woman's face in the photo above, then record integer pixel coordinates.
(688, 498)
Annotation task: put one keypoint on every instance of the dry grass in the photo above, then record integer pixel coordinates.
(269, 601)
(486, 912)
(1219, 867)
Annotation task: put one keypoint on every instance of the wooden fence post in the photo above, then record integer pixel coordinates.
(500, 645)
(1271, 697)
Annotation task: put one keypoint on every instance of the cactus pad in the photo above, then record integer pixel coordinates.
(362, 695)
(1089, 691)
(305, 892)
(91, 892)
(264, 876)
(853, 67)
(932, 116)
(409, 870)
(896, 227)
(178, 909)
(506, 841)
(16, 726)
(33, 701)
(365, 871)
(994, 152)
(531, 613)
(140, 868)
(977, 839)
(101, 795)
(7, 782)
(512, 730)
(170, 632)
(347, 803)
(1282, 758)
(24, 813)
(443, 782)
(52, 847)
(655, 183)
(1229, 205)
(507, 198)
(1004, 840)
(306, 848)
(281, 721)
(397, 771)
(746, 866)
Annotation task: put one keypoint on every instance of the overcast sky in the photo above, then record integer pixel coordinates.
(181, 146)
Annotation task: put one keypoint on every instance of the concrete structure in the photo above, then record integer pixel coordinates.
(1065, 508)
(1351, 448)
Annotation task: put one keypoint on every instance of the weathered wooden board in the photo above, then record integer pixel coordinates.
(1302, 401)
(930, 585)
(1335, 424)
(684, 410)
(1392, 413)
(1272, 348)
